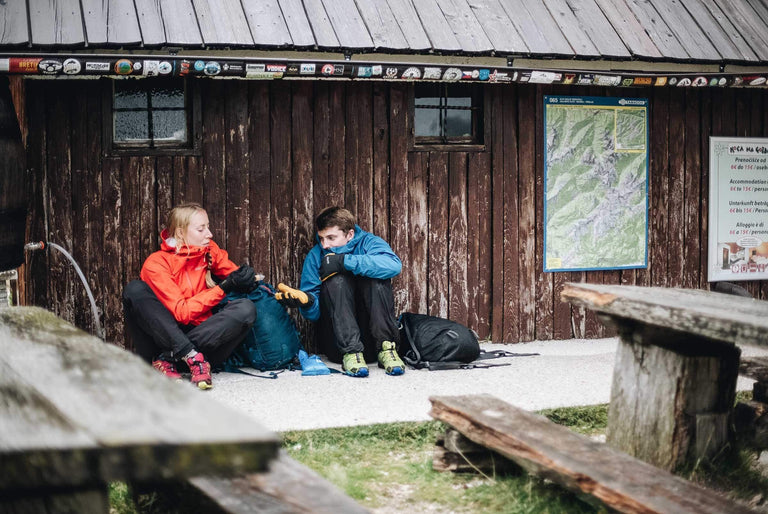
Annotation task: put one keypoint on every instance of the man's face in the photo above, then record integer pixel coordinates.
(332, 237)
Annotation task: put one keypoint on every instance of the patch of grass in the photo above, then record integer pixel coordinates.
(587, 420)
(120, 500)
(391, 466)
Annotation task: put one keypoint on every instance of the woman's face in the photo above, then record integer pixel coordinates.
(198, 232)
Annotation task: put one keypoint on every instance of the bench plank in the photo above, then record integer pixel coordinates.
(755, 368)
(575, 461)
(723, 317)
(288, 486)
(77, 411)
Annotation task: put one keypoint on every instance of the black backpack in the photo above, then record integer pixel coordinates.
(438, 343)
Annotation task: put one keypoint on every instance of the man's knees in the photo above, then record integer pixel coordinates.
(135, 290)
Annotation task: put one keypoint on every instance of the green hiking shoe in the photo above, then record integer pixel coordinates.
(354, 365)
(390, 360)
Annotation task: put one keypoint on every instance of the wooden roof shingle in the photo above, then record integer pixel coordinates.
(702, 31)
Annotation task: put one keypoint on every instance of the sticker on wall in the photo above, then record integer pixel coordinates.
(627, 81)
(700, 82)
(390, 73)
(259, 71)
(307, 68)
(23, 64)
(586, 79)
(233, 68)
(755, 81)
(432, 73)
(411, 73)
(50, 66)
(483, 74)
(544, 77)
(660, 81)
(123, 67)
(499, 76)
(164, 68)
(100, 67)
(327, 69)
(365, 71)
(71, 66)
(151, 68)
(184, 67)
(199, 65)
(737, 81)
(277, 68)
(212, 68)
(684, 82)
(607, 80)
(643, 81)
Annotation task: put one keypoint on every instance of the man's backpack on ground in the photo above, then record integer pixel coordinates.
(438, 343)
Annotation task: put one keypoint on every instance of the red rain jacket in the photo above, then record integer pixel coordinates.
(177, 276)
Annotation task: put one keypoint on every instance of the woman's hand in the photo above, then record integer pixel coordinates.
(242, 280)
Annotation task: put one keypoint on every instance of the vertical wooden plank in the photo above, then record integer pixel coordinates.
(473, 242)
(417, 205)
(510, 209)
(112, 275)
(282, 207)
(61, 275)
(259, 135)
(351, 154)
(692, 189)
(364, 150)
(236, 159)
(437, 276)
(544, 281)
(643, 276)
(303, 208)
(336, 168)
(496, 144)
(93, 191)
(527, 211)
(480, 165)
(457, 238)
(399, 222)
(36, 265)
(81, 206)
(658, 254)
(381, 160)
(321, 145)
(165, 197)
(147, 212)
(704, 134)
(130, 228)
(213, 165)
(676, 232)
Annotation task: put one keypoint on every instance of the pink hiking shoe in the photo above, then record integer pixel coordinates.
(201, 371)
(166, 368)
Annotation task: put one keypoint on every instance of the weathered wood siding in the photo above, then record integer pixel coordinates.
(467, 225)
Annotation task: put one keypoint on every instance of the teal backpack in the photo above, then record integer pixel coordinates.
(273, 342)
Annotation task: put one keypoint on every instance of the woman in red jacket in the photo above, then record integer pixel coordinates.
(173, 312)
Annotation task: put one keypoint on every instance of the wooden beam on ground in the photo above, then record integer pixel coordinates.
(755, 368)
(288, 486)
(574, 461)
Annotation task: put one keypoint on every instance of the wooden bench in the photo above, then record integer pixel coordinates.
(587, 467)
(674, 381)
(77, 413)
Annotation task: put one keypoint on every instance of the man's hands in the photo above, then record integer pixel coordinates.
(291, 297)
(331, 264)
(242, 280)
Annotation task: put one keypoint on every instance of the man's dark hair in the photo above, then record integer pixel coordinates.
(335, 217)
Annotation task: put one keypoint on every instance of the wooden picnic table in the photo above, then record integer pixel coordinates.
(77, 413)
(677, 362)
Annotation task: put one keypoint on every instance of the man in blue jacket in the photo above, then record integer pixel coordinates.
(346, 288)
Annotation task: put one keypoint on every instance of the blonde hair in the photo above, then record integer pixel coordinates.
(178, 221)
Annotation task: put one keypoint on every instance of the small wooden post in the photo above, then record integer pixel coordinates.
(667, 417)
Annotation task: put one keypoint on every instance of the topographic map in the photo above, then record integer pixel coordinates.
(596, 192)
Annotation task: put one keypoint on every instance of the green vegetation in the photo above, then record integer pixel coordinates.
(390, 467)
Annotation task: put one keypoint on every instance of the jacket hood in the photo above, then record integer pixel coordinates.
(169, 244)
(347, 248)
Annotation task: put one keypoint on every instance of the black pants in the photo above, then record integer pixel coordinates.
(156, 333)
(356, 315)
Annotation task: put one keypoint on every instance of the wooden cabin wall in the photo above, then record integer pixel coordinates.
(467, 225)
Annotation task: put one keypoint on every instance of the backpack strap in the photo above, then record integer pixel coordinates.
(271, 374)
(437, 366)
(495, 354)
(416, 363)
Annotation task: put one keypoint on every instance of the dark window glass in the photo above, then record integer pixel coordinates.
(150, 113)
(448, 114)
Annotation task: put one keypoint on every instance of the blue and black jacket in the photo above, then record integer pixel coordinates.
(366, 255)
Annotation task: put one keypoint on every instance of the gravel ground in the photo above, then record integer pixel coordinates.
(565, 373)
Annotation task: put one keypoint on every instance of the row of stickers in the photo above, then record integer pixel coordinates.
(252, 70)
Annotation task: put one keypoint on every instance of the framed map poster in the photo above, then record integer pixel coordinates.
(595, 183)
(738, 209)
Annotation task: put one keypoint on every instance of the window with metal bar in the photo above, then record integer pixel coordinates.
(153, 114)
(448, 114)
